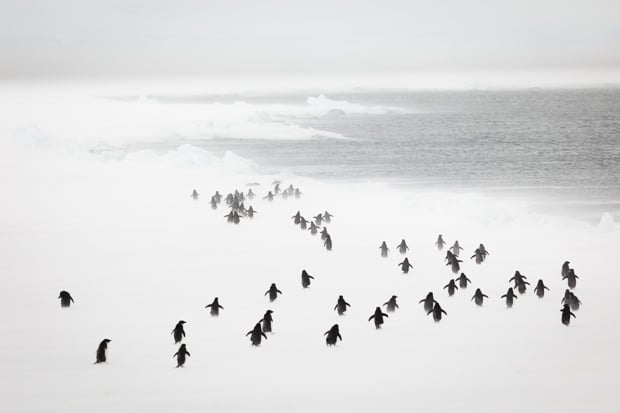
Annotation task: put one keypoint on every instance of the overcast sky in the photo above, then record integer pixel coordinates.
(113, 38)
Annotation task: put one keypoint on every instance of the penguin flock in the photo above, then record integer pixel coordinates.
(235, 201)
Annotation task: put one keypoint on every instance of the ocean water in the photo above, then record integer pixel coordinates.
(558, 148)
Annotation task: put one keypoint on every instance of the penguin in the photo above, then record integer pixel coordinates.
(229, 199)
(479, 297)
(440, 242)
(324, 233)
(305, 279)
(236, 218)
(540, 289)
(303, 223)
(456, 248)
(251, 212)
(479, 256)
(296, 218)
(327, 217)
(341, 305)
(328, 242)
(101, 351)
(318, 219)
(298, 193)
(391, 304)
(256, 335)
(230, 217)
(217, 197)
(568, 297)
(65, 299)
(276, 189)
(451, 286)
(463, 280)
(521, 286)
(213, 203)
(313, 229)
(575, 303)
(384, 249)
(429, 301)
(178, 332)
(195, 195)
(402, 247)
(269, 197)
(437, 311)
(509, 296)
(517, 278)
(180, 355)
(483, 250)
(572, 278)
(267, 320)
(565, 269)
(566, 315)
(215, 307)
(273, 292)
(405, 265)
(378, 317)
(454, 263)
(250, 194)
(333, 334)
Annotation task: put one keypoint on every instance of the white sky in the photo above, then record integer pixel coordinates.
(210, 38)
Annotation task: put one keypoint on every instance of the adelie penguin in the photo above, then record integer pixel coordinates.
(437, 312)
(195, 195)
(540, 289)
(65, 299)
(429, 302)
(378, 317)
(305, 279)
(517, 278)
(333, 334)
(402, 247)
(178, 332)
(251, 212)
(327, 217)
(181, 354)
(303, 223)
(456, 248)
(273, 292)
(267, 320)
(324, 233)
(405, 265)
(217, 197)
(440, 242)
(250, 194)
(572, 278)
(384, 249)
(341, 305)
(269, 197)
(509, 296)
(453, 262)
(213, 203)
(566, 315)
(479, 297)
(256, 335)
(215, 307)
(313, 229)
(571, 299)
(101, 351)
(521, 286)
(298, 193)
(327, 243)
(565, 269)
(296, 218)
(463, 280)
(451, 286)
(318, 219)
(391, 304)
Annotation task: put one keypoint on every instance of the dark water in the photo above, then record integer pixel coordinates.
(559, 146)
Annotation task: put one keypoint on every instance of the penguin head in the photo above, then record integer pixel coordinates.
(106, 340)
(269, 312)
(182, 322)
(394, 297)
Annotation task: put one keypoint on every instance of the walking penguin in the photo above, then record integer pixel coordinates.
(479, 297)
(256, 335)
(333, 334)
(305, 279)
(65, 299)
(341, 305)
(273, 292)
(384, 249)
(540, 289)
(566, 315)
(378, 317)
(215, 307)
(405, 265)
(178, 332)
(101, 351)
(267, 320)
(180, 355)
(391, 304)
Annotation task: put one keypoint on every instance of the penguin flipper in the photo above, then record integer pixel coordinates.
(188, 355)
(371, 317)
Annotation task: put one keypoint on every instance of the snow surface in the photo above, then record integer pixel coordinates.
(138, 254)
